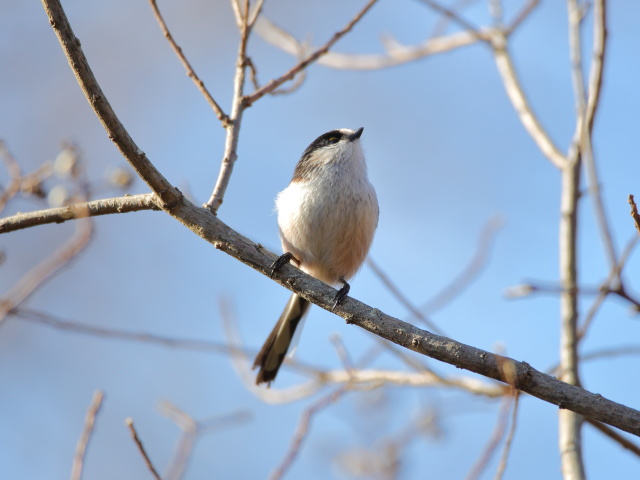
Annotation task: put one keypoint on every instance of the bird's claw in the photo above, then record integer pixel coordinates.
(341, 294)
(280, 261)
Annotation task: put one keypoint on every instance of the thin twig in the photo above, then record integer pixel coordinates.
(371, 379)
(13, 168)
(48, 267)
(105, 206)
(615, 436)
(275, 83)
(343, 354)
(401, 297)
(456, 18)
(520, 102)
(522, 15)
(224, 119)
(86, 329)
(634, 213)
(613, 284)
(494, 440)
(255, 13)
(83, 442)
(237, 109)
(242, 365)
(471, 272)
(134, 434)
(303, 430)
(585, 127)
(502, 466)
(191, 430)
(397, 54)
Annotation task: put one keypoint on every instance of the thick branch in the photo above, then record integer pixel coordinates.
(497, 367)
(106, 206)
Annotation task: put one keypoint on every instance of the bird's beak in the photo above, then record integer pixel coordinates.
(356, 134)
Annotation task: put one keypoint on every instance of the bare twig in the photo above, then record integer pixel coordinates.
(470, 273)
(454, 17)
(584, 129)
(634, 213)
(343, 354)
(13, 168)
(275, 83)
(519, 100)
(106, 206)
(237, 109)
(494, 440)
(86, 329)
(134, 434)
(224, 119)
(191, 430)
(83, 442)
(522, 15)
(303, 430)
(613, 285)
(396, 54)
(393, 288)
(43, 271)
(615, 436)
(502, 466)
(370, 379)
(242, 365)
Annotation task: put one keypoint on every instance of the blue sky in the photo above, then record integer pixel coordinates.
(446, 153)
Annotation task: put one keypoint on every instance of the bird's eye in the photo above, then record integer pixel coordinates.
(333, 140)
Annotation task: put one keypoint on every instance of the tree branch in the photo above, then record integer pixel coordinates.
(98, 101)
(81, 448)
(519, 100)
(94, 208)
(44, 270)
(13, 168)
(223, 117)
(634, 213)
(275, 83)
(134, 435)
(237, 109)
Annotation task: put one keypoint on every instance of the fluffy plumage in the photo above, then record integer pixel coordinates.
(327, 217)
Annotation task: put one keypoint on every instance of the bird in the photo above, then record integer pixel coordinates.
(327, 217)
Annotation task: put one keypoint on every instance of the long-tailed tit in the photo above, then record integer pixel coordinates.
(326, 216)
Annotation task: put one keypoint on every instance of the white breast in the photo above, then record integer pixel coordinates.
(328, 222)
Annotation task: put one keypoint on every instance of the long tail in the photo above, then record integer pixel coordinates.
(275, 348)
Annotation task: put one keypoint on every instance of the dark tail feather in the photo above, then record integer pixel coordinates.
(275, 348)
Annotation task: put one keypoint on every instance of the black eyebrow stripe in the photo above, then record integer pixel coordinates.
(321, 140)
